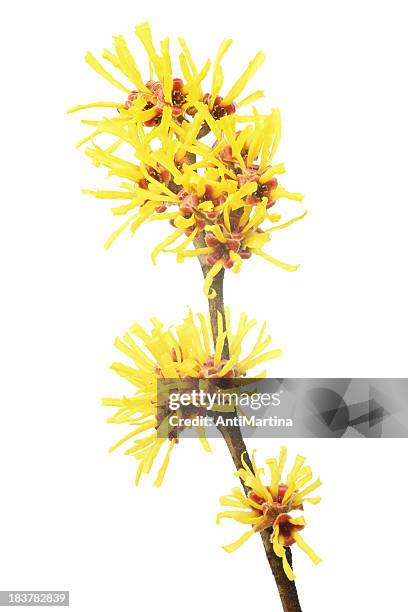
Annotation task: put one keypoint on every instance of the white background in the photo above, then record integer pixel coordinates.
(70, 517)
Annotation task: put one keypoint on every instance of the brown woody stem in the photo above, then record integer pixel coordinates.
(237, 448)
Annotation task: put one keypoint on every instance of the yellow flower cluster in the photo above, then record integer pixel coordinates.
(185, 155)
(269, 506)
(183, 353)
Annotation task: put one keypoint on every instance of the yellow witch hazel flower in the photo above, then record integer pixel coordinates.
(146, 100)
(183, 353)
(270, 506)
(236, 198)
(217, 193)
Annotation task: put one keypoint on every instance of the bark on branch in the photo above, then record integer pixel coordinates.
(237, 448)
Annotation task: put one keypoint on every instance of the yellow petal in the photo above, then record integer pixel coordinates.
(164, 466)
(251, 98)
(184, 222)
(144, 34)
(117, 232)
(305, 547)
(240, 84)
(287, 224)
(229, 548)
(162, 245)
(281, 192)
(128, 64)
(287, 569)
(217, 79)
(93, 62)
(211, 274)
(276, 262)
(243, 517)
(80, 107)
